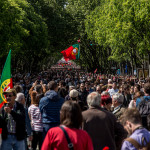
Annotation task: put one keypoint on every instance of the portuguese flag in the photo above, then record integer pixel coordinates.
(6, 80)
(73, 52)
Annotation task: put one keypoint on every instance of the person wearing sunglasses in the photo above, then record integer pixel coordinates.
(12, 122)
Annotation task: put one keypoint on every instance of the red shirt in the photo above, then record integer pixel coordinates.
(56, 140)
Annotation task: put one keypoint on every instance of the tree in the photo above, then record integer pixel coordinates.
(79, 9)
(122, 25)
(23, 31)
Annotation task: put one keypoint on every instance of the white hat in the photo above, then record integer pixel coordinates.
(73, 93)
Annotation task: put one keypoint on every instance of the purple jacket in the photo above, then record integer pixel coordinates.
(136, 135)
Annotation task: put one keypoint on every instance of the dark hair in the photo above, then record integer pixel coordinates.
(70, 114)
(52, 85)
(132, 115)
(62, 83)
(137, 86)
(126, 87)
(18, 88)
(147, 88)
(38, 88)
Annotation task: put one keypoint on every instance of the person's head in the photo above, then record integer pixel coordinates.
(87, 85)
(106, 102)
(136, 88)
(126, 89)
(73, 94)
(131, 119)
(132, 90)
(98, 89)
(34, 98)
(138, 94)
(21, 98)
(70, 115)
(10, 96)
(114, 85)
(93, 99)
(38, 89)
(117, 99)
(82, 86)
(18, 88)
(62, 83)
(52, 85)
(147, 88)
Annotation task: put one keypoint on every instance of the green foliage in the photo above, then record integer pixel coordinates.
(122, 25)
(11, 19)
(23, 31)
(38, 30)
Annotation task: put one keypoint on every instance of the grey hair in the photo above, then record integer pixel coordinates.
(19, 97)
(93, 99)
(118, 97)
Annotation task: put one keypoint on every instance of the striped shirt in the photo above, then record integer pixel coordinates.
(36, 119)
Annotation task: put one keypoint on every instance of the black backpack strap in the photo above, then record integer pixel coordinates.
(70, 144)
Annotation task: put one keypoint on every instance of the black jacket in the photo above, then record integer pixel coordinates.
(18, 114)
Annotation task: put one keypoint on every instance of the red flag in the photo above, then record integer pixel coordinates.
(72, 52)
(95, 70)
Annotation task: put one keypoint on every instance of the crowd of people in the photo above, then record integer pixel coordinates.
(66, 110)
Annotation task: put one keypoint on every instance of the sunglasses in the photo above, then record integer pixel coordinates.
(9, 95)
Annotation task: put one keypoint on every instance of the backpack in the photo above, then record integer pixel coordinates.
(144, 110)
(137, 145)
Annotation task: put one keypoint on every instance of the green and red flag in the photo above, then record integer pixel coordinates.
(6, 80)
(73, 52)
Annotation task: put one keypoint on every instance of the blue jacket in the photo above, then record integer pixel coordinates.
(138, 100)
(50, 106)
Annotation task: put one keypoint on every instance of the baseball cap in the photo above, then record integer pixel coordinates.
(73, 93)
(11, 91)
